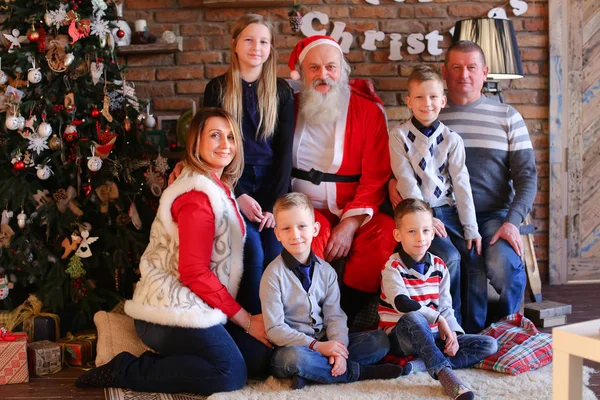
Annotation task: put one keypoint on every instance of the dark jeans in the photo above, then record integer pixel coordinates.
(363, 348)
(412, 335)
(202, 361)
(261, 247)
(466, 268)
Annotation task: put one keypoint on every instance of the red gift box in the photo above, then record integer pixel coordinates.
(13, 358)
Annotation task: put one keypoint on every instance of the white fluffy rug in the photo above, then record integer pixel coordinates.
(487, 385)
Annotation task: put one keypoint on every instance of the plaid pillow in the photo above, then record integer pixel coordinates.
(521, 347)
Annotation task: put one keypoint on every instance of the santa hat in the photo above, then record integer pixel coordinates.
(303, 47)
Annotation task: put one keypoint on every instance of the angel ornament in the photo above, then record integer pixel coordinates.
(84, 248)
(15, 39)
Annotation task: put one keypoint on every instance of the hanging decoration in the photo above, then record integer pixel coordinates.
(70, 245)
(94, 162)
(22, 219)
(84, 248)
(75, 268)
(14, 39)
(43, 171)
(295, 17)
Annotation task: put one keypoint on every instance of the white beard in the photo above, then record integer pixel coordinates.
(324, 108)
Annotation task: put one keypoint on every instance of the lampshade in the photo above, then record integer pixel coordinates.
(499, 43)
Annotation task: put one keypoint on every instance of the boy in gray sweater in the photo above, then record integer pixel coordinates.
(300, 300)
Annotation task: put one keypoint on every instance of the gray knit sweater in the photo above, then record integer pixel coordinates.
(500, 157)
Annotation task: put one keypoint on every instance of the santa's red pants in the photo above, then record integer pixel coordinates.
(373, 244)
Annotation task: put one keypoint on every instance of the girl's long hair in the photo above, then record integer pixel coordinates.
(233, 171)
(268, 99)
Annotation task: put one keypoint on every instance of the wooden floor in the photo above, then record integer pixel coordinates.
(584, 299)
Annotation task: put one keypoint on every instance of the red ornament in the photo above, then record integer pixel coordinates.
(19, 166)
(77, 122)
(95, 113)
(120, 33)
(87, 189)
(33, 36)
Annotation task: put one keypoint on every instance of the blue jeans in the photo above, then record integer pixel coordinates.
(364, 348)
(466, 268)
(413, 336)
(202, 361)
(503, 267)
(261, 247)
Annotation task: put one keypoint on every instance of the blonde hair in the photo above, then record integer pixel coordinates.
(423, 73)
(233, 171)
(409, 206)
(268, 99)
(291, 200)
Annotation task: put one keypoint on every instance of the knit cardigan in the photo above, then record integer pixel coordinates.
(159, 296)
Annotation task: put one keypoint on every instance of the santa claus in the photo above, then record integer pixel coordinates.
(341, 161)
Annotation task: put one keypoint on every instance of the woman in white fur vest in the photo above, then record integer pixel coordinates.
(184, 304)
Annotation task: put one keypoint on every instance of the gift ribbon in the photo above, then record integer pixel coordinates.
(26, 313)
(8, 337)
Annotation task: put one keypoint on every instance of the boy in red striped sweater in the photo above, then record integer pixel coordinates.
(415, 308)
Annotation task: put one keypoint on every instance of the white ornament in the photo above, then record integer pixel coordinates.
(21, 219)
(11, 123)
(43, 172)
(94, 163)
(169, 37)
(150, 121)
(68, 60)
(161, 164)
(96, 69)
(5, 286)
(44, 130)
(56, 17)
(84, 248)
(15, 39)
(122, 25)
(6, 216)
(21, 120)
(34, 75)
(37, 144)
(3, 77)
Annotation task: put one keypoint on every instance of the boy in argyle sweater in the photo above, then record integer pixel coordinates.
(415, 307)
(428, 161)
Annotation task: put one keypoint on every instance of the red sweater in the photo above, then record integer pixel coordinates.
(196, 222)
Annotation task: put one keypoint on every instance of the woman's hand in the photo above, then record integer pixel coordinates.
(250, 208)
(395, 197)
(267, 222)
(257, 330)
(176, 172)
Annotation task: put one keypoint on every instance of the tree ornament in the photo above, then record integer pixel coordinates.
(11, 123)
(54, 143)
(43, 172)
(120, 33)
(14, 39)
(68, 60)
(34, 75)
(5, 286)
(21, 122)
(70, 133)
(22, 219)
(44, 130)
(149, 121)
(295, 17)
(6, 232)
(95, 113)
(94, 162)
(84, 248)
(121, 25)
(3, 76)
(75, 268)
(127, 124)
(19, 165)
(33, 35)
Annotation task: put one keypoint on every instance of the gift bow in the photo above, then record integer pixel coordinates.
(7, 336)
(109, 192)
(87, 337)
(25, 314)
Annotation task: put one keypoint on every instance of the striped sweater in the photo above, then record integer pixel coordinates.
(431, 291)
(499, 156)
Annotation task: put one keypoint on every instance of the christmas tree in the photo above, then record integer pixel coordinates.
(76, 176)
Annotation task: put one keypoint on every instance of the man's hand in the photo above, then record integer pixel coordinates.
(176, 172)
(331, 348)
(476, 243)
(439, 228)
(268, 221)
(511, 234)
(250, 208)
(339, 365)
(395, 197)
(341, 237)
(449, 336)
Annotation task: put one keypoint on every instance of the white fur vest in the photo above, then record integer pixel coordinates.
(159, 296)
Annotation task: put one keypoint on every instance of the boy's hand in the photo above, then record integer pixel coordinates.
(250, 208)
(439, 228)
(176, 172)
(267, 222)
(331, 348)
(339, 365)
(395, 197)
(476, 242)
(449, 336)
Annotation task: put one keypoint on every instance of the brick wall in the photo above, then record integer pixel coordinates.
(172, 81)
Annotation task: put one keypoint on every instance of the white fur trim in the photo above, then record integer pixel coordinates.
(171, 316)
(316, 43)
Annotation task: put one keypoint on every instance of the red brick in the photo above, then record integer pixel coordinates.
(155, 89)
(215, 70)
(520, 96)
(397, 113)
(141, 74)
(191, 87)
(151, 59)
(369, 11)
(200, 57)
(224, 14)
(533, 40)
(388, 98)
(532, 54)
(354, 56)
(201, 29)
(406, 12)
(530, 82)
(543, 170)
(430, 12)
(286, 42)
(181, 73)
(375, 70)
(538, 24)
(531, 111)
(178, 16)
(358, 27)
(147, 4)
(539, 142)
(390, 83)
(173, 103)
(194, 43)
(400, 26)
(468, 10)
(339, 12)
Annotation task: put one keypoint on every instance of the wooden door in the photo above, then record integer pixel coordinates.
(574, 140)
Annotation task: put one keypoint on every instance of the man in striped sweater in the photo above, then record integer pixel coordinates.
(501, 164)
(415, 307)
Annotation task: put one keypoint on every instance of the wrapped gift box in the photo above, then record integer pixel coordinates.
(13, 358)
(79, 350)
(44, 357)
(42, 327)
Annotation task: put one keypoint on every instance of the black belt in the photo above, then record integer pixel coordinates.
(316, 177)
